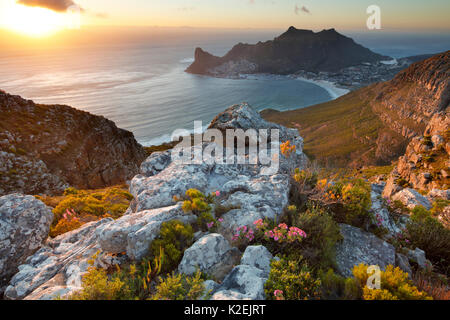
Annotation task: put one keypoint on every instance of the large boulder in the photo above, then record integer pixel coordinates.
(411, 198)
(133, 233)
(258, 257)
(359, 247)
(57, 268)
(24, 225)
(211, 254)
(244, 282)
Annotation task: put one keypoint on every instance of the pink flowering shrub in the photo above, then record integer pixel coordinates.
(278, 236)
(69, 221)
(243, 236)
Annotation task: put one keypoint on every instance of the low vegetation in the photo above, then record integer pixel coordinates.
(77, 207)
(427, 233)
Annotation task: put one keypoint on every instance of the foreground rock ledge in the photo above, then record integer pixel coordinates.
(56, 269)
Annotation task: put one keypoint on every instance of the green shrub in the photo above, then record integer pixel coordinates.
(180, 287)
(132, 282)
(352, 201)
(318, 248)
(427, 141)
(438, 206)
(293, 279)
(402, 182)
(113, 202)
(336, 287)
(395, 285)
(306, 177)
(199, 204)
(427, 233)
(174, 238)
(98, 286)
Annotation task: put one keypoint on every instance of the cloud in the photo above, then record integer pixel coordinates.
(55, 5)
(186, 9)
(304, 9)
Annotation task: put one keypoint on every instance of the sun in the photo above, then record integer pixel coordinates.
(32, 21)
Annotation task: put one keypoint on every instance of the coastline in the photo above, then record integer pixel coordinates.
(333, 90)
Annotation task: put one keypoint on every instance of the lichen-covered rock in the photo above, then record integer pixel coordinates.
(439, 194)
(402, 262)
(359, 247)
(58, 266)
(133, 233)
(418, 256)
(211, 254)
(155, 163)
(247, 189)
(380, 211)
(24, 225)
(411, 198)
(258, 257)
(244, 282)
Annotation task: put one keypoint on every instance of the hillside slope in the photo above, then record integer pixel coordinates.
(46, 148)
(373, 125)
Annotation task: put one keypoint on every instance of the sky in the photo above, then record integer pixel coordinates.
(415, 15)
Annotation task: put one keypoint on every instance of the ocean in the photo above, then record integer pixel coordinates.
(143, 88)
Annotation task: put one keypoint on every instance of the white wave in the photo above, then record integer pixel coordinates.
(390, 62)
(187, 60)
(165, 138)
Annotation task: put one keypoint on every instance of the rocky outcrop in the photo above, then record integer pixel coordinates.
(211, 254)
(359, 247)
(293, 51)
(24, 225)
(46, 148)
(411, 198)
(57, 267)
(424, 167)
(247, 188)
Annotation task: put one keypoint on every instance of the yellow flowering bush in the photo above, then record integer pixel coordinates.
(395, 285)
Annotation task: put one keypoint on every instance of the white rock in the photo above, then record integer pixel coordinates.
(244, 282)
(24, 225)
(211, 254)
(133, 233)
(411, 198)
(258, 257)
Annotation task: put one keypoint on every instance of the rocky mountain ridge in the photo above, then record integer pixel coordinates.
(292, 51)
(46, 148)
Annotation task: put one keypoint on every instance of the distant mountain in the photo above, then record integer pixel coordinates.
(46, 148)
(293, 51)
(374, 125)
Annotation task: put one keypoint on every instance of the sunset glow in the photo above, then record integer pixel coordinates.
(32, 21)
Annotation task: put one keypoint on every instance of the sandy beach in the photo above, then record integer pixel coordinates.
(331, 88)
